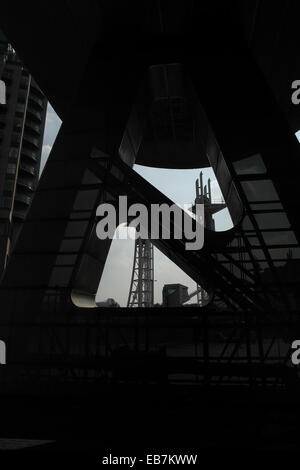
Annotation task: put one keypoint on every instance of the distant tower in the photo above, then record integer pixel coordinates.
(141, 287)
(203, 196)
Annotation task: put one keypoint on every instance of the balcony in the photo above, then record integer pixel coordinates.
(27, 168)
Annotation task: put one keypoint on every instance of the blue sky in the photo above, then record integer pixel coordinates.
(179, 186)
